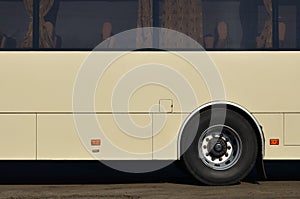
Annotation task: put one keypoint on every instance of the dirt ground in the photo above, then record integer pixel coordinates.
(277, 189)
(82, 180)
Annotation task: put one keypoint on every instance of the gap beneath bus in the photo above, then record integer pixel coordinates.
(94, 172)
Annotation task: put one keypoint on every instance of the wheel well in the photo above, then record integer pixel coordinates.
(234, 107)
(256, 126)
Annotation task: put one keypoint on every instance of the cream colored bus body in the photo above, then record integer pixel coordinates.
(36, 120)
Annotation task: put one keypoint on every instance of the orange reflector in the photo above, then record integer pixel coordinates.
(96, 142)
(274, 141)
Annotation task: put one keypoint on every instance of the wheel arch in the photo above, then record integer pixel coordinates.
(231, 106)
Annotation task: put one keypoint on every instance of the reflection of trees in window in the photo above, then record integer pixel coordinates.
(45, 35)
(249, 18)
(184, 16)
(145, 19)
(27, 43)
(264, 40)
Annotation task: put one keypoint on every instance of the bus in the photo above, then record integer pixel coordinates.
(211, 83)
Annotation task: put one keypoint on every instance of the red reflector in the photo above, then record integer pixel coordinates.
(274, 141)
(96, 142)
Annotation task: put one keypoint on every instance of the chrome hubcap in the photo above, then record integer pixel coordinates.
(219, 147)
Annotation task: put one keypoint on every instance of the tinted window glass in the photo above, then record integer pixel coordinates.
(215, 24)
(287, 24)
(220, 24)
(84, 24)
(14, 25)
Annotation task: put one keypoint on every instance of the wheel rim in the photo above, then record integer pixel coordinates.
(219, 147)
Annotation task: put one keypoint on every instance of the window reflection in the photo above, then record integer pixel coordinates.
(47, 31)
(287, 26)
(14, 23)
(234, 24)
(84, 24)
(215, 24)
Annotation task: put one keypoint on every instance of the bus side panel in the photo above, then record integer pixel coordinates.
(44, 81)
(262, 82)
(38, 81)
(277, 126)
(58, 138)
(292, 130)
(259, 81)
(165, 135)
(18, 137)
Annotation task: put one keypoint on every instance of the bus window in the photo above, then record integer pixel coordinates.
(47, 34)
(181, 16)
(84, 24)
(221, 19)
(287, 26)
(232, 24)
(215, 24)
(14, 25)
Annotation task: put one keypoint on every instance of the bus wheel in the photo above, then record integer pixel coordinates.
(224, 149)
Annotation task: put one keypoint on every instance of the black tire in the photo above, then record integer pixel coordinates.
(214, 167)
